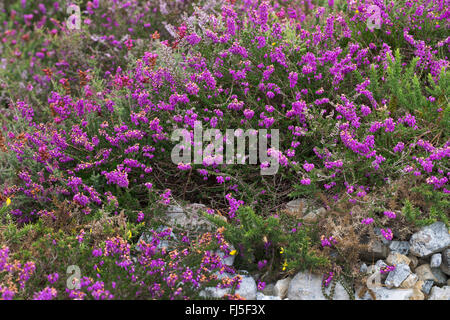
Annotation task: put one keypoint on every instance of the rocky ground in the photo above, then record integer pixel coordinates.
(417, 269)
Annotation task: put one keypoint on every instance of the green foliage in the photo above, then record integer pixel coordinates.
(414, 215)
(257, 238)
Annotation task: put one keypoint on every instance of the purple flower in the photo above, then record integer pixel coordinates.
(387, 234)
(389, 214)
(367, 221)
(52, 278)
(293, 77)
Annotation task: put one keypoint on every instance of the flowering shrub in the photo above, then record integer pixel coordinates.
(362, 114)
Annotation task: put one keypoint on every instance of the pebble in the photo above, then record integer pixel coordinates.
(436, 260)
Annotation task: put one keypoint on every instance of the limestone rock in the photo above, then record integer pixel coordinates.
(401, 247)
(269, 289)
(261, 296)
(396, 258)
(188, 218)
(410, 281)
(308, 286)
(382, 293)
(398, 275)
(414, 261)
(436, 260)
(376, 249)
(440, 293)
(424, 272)
(430, 239)
(281, 288)
(427, 285)
(247, 288)
(417, 295)
(227, 259)
(441, 278)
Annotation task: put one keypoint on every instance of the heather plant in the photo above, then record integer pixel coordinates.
(357, 110)
(37, 39)
(273, 245)
(110, 265)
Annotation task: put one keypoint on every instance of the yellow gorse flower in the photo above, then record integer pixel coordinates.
(284, 265)
(282, 250)
(233, 252)
(129, 234)
(8, 201)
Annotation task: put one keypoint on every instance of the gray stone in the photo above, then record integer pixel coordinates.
(376, 249)
(401, 247)
(414, 261)
(363, 268)
(310, 211)
(261, 296)
(425, 272)
(436, 260)
(398, 275)
(396, 258)
(189, 218)
(269, 289)
(227, 259)
(213, 293)
(440, 293)
(430, 239)
(281, 287)
(247, 288)
(382, 293)
(308, 286)
(445, 265)
(410, 281)
(441, 278)
(427, 285)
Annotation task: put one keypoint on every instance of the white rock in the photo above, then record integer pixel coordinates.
(281, 287)
(398, 275)
(440, 293)
(410, 281)
(430, 239)
(395, 258)
(441, 278)
(261, 296)
(425, 272)
(229, 259)
(401, 247)
(213, 293)
(382, 293)
(436, 260)
(247, 288)
(269, 289)
(308, 286)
